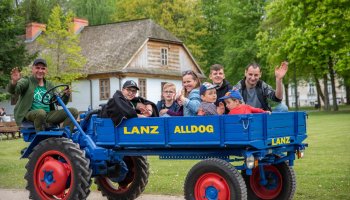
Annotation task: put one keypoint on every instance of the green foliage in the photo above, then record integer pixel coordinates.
(243, 19)
(61, 48)
(178, 17)
(12, 48)
(39, 10)
(96, 11)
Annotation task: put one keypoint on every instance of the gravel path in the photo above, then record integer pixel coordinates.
(12, 194)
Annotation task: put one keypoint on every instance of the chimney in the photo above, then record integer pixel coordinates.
(33, 30)
(79, 24)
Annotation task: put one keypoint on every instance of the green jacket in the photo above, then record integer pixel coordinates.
(25, 90)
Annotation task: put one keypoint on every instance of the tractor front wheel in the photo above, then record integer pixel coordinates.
(58, 169)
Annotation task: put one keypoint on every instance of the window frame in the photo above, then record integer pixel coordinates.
(164, 55)
(143, 87)
(104, 88)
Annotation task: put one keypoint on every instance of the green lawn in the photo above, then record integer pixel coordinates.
(324, 172)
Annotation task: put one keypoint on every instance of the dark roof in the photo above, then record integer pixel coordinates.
(108, 47)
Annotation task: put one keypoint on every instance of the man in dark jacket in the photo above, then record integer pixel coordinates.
(125, 105)
(217, 76)
(256, 92)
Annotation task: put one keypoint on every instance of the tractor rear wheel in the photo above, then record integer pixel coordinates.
(281, 182)
(58, 169)
(132, 186)
(214, 179)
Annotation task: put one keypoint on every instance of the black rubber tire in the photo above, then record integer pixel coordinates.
(64, 151)
(288, 183)
(133, 184)
(215, 167)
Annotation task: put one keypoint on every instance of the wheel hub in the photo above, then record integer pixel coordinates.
(53, 176)
(212, 186)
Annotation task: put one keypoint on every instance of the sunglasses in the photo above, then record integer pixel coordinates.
(189, 72)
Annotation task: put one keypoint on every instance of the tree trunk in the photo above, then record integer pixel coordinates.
(347, 89)
(296, 88)
(326, 94)
(334, 92)
(320, 95)
(286, 93)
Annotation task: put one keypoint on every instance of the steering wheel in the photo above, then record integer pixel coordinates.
(50, 96)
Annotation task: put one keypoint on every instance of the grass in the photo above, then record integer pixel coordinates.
(324, 172)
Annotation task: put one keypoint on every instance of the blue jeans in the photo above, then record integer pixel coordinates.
(281, 107)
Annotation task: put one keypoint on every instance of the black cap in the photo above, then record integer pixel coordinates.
(130, 83)
(40, 60)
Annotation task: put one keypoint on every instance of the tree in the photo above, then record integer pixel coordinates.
(61, 48)
(311, 34)
(96, 11)
(182, 18)
(12, 51)
(241, 47)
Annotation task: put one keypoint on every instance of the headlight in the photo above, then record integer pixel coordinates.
(300, 153)
(249, 161)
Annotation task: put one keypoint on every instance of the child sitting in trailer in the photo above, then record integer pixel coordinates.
(208, 96)
(233, 100)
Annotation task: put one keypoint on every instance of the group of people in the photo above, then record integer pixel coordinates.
(249, 95)
(215, 98)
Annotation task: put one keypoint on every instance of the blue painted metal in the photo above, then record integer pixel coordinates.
(271, 138)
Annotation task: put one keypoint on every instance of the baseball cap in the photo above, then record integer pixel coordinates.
(40, 60)
(232, 94)
(130, 83)
(206, 86)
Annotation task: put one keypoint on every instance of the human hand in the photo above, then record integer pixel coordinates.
(15, 75)
(146, 110)
(200, 112)
(221, 108)
(281, 71)
(268, 112)
(163, 111)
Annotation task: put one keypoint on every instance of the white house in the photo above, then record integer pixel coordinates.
(307, 93)
(138, 50)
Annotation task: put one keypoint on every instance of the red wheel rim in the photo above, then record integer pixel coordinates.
(53, 175)
(212, 186)
(121, 187)
(274, 182)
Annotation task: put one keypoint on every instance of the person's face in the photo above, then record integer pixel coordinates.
(252, 76)
(39, 71)
(231, 103)
(169, 93)
(188, 82)
(209, 96)
(129, 93)
(217, 76)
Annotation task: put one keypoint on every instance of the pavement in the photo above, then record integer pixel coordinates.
(15, 194)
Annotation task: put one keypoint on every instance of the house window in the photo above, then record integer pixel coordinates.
(104, 89)
(311, 89)
(164, 55)
(142, 86)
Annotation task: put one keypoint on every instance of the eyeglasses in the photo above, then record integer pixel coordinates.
(189, 72)
(133, 91)
(168, 92)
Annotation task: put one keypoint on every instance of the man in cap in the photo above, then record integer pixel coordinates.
(125, 104)
(30, 91)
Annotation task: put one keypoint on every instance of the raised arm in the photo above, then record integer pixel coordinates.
(280, 72)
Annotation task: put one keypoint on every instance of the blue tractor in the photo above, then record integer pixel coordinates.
(263, 148)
